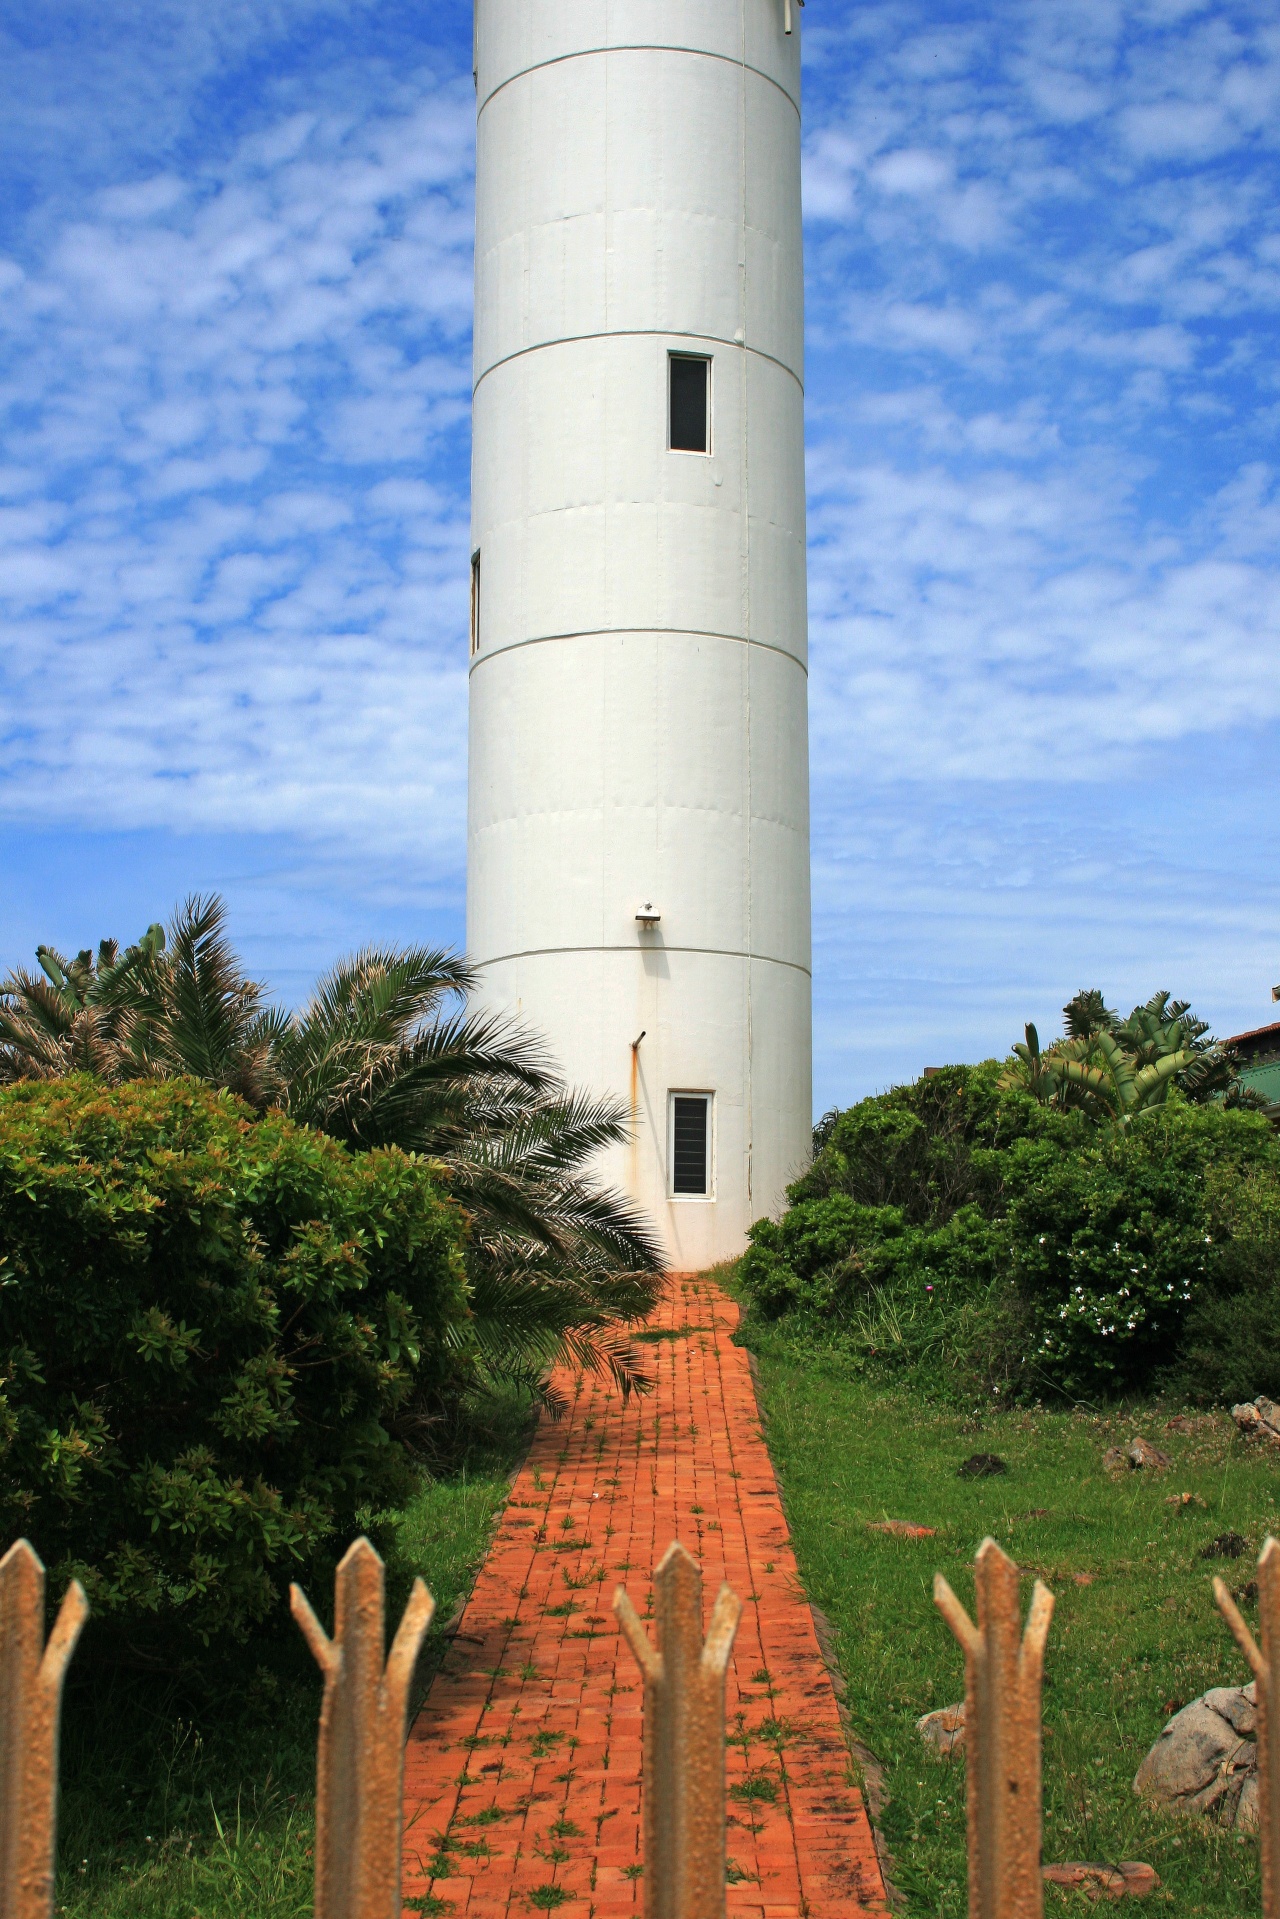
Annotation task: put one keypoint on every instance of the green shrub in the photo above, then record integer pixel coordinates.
(996, 1242)
(1111, 1245)
(825, 1256)
(929, 1148)
(808, 1261)
(1230, 1344)
(208, 1327)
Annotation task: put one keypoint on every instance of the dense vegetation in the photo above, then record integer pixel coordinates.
(268, 1280)
(216, 1337)
(1111, 1068)
(391, 1050)
(179, 1798)
(1027, 1231)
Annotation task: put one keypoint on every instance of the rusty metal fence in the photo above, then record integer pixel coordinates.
(1262, 1659)
(360, 1757)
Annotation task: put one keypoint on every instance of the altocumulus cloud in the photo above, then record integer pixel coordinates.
(232, 538)
(1044, 509)
(1043, 253)
(1044, 283)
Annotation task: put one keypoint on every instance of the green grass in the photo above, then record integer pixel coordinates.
(175, 1811)
(1141, 1637)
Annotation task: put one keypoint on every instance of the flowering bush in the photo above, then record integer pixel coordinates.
(208, 1325)
(1027, 1248)
(1112, 1244)
(1229, 1347)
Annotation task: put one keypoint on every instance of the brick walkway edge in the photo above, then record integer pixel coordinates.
(522, 1777)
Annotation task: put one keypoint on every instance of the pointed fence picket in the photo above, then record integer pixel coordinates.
(683, 1767)
(360, 1757)
(1003, 1666)
(31, 1675)
(1262, 1658)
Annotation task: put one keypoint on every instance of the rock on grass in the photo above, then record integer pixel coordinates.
(1205, 1760)
(943, 1731)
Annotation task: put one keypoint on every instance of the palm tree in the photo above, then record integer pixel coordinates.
(387, 1052)
(176, 1003)
(51, 1023)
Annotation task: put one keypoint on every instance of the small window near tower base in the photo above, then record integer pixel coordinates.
(690, 403)
(691, 1145)
(475, 603)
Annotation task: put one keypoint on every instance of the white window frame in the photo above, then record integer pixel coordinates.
(691, 1092)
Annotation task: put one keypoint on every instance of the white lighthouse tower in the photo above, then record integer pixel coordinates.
(638, 845)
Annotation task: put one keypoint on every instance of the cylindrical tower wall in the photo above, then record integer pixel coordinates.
(638, 693)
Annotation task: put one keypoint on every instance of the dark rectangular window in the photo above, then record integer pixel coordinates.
(690, 1143)
(475, 603)
(690, 409)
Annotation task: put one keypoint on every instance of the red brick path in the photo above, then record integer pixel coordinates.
(523, 1768)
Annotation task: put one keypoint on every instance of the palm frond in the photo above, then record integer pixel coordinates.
(565, 1216)
(415, 1093)
(1114, 1069)
(523, 1307)
(377, 1056)
(386, 992)
(1087, 1014)
(554, 1134)
(209, 1004)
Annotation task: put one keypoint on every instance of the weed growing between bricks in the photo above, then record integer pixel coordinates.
(688, 1462)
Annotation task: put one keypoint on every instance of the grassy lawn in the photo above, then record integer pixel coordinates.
(171, 1811)
(1134, 1635)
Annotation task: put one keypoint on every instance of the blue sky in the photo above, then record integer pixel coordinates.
(1043, 400)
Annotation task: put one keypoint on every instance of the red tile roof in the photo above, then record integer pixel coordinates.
(1257, 1032)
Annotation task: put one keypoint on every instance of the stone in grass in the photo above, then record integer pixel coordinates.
(943, 1731)
(1205, 1760)
(1139, 1456)
(1258, 1419)
(1130, 1877)
(981, 1466)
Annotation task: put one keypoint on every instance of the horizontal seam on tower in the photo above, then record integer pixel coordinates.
(637, 333)
(641, 632)
(715, 952)
(638, 46)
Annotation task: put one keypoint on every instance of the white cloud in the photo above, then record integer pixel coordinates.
(912, 170)
(1015, 626)
(218, 606)
(1041, 505)
(1044, 294)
